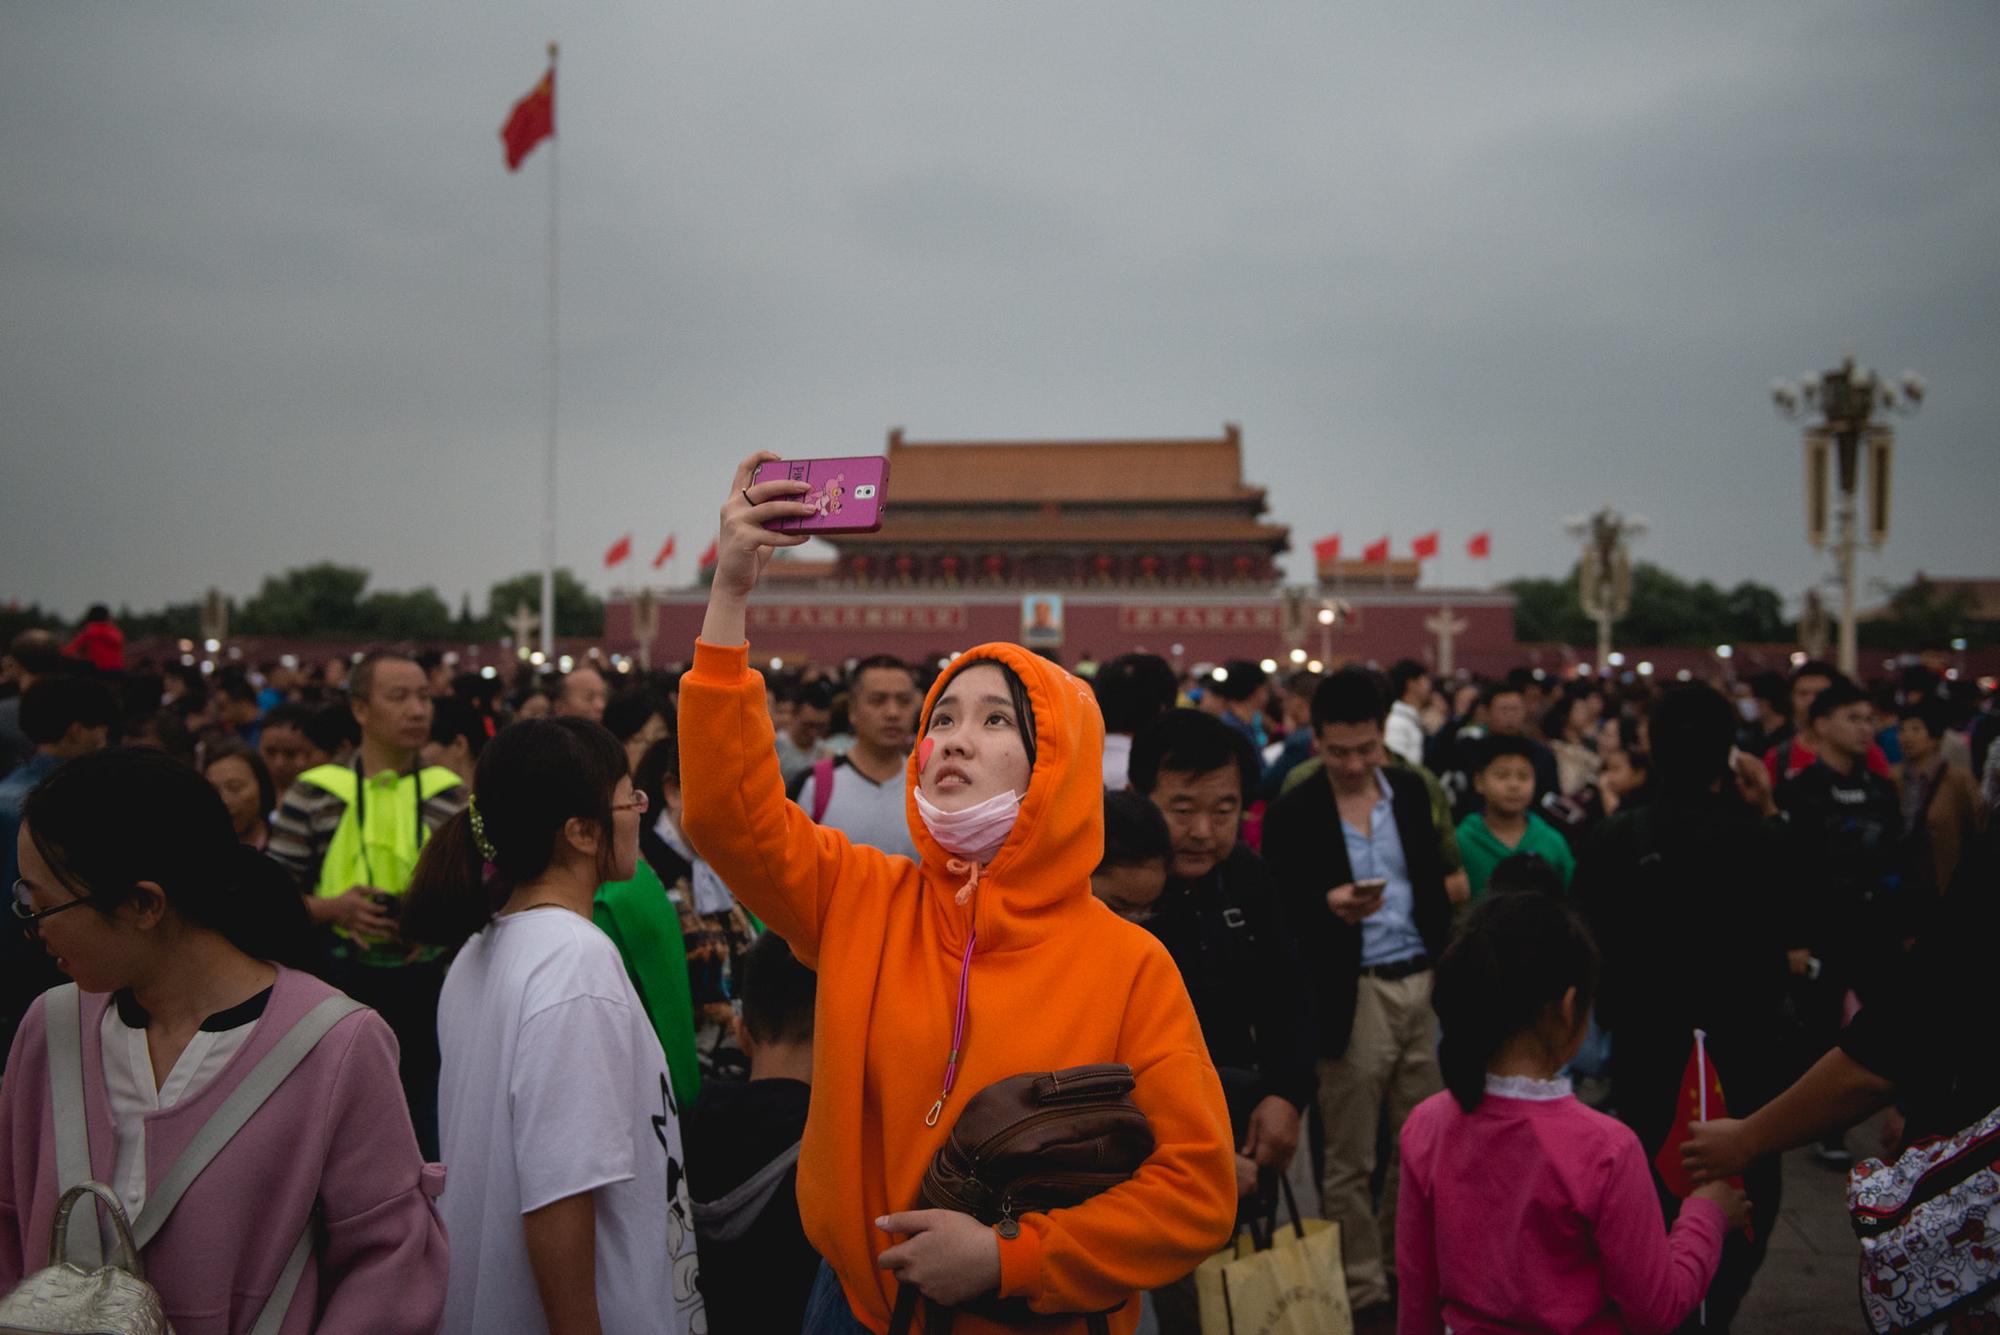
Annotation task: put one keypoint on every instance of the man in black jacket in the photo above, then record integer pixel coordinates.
(1356, 860)
(1220, 919)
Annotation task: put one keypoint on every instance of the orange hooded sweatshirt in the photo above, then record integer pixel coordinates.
(1057, 980)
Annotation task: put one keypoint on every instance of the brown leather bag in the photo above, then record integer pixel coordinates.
(1027, 1145)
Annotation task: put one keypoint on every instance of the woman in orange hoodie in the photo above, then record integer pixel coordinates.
(985, 959)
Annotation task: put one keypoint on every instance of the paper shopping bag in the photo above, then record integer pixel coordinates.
(1282, 1280)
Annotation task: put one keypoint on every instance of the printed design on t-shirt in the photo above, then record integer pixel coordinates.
(680, 1231)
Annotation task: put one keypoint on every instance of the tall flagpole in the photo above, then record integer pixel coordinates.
(549, 462)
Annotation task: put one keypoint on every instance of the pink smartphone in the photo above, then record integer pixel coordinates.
(847, 493)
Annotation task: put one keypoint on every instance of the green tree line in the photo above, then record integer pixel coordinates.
(1666, 610)
(331, 601)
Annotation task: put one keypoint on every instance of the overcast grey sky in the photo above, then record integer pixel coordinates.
(270, 295)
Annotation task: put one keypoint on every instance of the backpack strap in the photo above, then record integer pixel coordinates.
(62, 1020)
(822, 772)
(242, 1103)
(273, 1316)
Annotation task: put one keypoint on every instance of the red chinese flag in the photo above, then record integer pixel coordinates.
(620, 550)
(1376, 552)
(1425, 547)
(532, 120)
(708, 557)
(666, 553)
(1327, 548)
(1480, 547)
(1690, 1108)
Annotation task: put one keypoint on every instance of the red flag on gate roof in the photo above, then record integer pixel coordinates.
(666, 553)
(1376, 552)
(1480, 547)
(1425, 547)
(620, 550)
(532, 120)
(1327, 548)
(1700, 1100)
(707, 561)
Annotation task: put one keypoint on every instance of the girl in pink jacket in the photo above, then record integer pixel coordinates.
(1521, 1209)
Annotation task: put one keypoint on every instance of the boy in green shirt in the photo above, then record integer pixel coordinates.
(1505, 778)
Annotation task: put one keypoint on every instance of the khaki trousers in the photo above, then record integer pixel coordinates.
(1390, 1066)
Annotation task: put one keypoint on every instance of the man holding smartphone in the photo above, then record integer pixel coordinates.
(1356, 857)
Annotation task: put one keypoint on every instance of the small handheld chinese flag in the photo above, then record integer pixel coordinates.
(1700, 1101)
(620, 550)
(1327, 548)
(1376, 552)
(708, 558)
(666, 553)
(1480, 547)
(532, 120)
(1426, 547)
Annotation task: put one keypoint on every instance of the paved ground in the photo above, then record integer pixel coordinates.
(1807, 1285)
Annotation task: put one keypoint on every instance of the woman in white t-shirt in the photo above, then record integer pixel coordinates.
(565, 1199)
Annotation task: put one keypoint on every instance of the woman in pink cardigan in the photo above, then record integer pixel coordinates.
(1520, 1208)
(132, 879)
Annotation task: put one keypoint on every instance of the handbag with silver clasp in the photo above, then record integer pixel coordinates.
(66, 1299)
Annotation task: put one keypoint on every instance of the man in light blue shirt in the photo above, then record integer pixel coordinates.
(1372, 913)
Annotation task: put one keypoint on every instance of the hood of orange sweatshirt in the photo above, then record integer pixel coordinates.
(1042, 872)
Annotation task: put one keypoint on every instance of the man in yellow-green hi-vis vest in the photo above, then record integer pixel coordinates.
(351, 834)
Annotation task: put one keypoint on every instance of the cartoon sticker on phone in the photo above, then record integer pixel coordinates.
(847, 495)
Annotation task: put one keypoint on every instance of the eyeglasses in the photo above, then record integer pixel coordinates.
(639, 803)
(28, 919)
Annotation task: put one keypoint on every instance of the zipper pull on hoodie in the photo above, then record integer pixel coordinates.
(966, 893)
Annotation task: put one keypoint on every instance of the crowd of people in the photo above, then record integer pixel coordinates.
(672, 985)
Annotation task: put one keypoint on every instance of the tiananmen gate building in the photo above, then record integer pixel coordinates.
(1086, 548)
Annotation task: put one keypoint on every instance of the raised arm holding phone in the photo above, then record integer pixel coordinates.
(984, 959)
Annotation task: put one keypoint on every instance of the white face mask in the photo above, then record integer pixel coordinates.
(975, 833)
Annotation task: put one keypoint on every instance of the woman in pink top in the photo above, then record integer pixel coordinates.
(132, 878)
(1521, 1209)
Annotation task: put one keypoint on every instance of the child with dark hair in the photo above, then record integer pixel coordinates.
(1137, 848)
(1570, 1237)
(1525, 873)
(743, 1151)
(567, 1205)
(1504, 777)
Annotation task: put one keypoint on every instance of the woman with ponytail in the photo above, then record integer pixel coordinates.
(1521, 1209)
(567, 1204)
(984, 958)
(132, 878)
